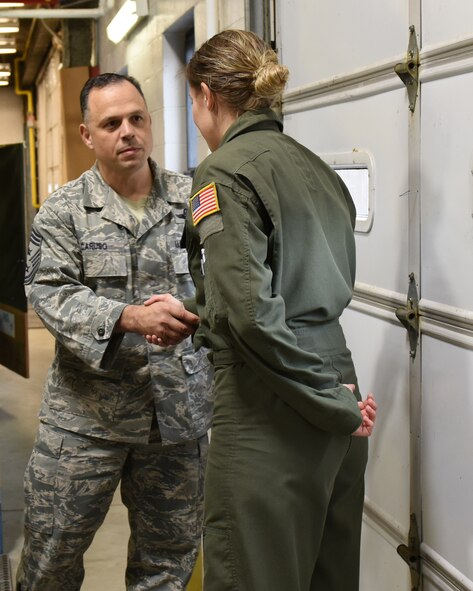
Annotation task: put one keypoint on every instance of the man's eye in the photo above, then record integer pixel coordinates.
(111, 124)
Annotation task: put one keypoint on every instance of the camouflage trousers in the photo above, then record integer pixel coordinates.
(69, 484)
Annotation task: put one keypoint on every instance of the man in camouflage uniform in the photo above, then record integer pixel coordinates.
(115, 408)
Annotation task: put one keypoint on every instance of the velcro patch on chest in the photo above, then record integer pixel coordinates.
(209, 226)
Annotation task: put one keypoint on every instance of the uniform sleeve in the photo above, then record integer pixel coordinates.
(190, 305)
(78, 319)
(238, 276)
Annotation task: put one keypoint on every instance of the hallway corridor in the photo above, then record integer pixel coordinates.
(19, 404)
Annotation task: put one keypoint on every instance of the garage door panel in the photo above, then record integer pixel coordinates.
(444, 21)
(447, 441)
(381, 566)
(375, 344)
(447, 189)
(354, 127)
(336, 36)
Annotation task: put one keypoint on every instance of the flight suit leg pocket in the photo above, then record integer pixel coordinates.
(219, 563)
(40, 480)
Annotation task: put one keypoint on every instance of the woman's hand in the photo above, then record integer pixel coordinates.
(368, 409)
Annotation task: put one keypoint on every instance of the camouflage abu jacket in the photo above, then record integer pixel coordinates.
(88, 258)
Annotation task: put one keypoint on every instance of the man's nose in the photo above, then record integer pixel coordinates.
(127, 129)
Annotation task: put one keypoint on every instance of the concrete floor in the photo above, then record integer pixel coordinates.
(19, 403)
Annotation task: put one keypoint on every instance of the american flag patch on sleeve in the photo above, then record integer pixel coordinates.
(204, 203)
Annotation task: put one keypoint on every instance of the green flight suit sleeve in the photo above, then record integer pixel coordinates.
(190, 305)
(238, 288)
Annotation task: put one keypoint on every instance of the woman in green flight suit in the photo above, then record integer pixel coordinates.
(272, 254)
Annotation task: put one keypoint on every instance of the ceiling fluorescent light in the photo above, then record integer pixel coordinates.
(9, 25)
(4, 82)
(4, 73)
(12, 4)
(7, 46)
(126, 18)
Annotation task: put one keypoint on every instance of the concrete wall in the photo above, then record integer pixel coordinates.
(152, 53)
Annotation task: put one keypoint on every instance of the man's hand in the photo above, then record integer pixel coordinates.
(368, 409)
(166, 338)
(163, 317)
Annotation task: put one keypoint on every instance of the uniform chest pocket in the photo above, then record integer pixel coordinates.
(176, 252)
(180, 262)
(106, 262)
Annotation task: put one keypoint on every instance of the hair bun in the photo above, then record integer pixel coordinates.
(241, 68)
(271, 77)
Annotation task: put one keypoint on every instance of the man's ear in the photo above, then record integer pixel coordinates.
(85, 135)
(209, 96)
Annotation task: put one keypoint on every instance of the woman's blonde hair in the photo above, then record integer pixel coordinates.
(241, 68)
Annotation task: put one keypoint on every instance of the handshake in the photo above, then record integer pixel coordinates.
(162, 319)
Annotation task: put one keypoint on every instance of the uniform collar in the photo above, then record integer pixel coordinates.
(253, 121)
(99, 195)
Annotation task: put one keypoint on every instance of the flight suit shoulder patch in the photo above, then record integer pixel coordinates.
(204, 203)
(205, 211)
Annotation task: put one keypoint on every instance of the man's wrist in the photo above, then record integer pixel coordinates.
(128, 320)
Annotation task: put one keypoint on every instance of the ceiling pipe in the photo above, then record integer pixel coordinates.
(59, 13)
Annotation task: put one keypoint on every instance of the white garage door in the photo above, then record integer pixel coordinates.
(411, 169)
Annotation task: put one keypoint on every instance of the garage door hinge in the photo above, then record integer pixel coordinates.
(408, 70)
(408, 316)
(411, 553)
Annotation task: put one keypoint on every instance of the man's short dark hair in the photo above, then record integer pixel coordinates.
(101, 81)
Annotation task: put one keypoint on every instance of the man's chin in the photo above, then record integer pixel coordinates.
(136, 161)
